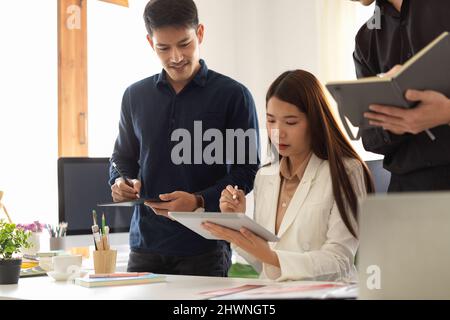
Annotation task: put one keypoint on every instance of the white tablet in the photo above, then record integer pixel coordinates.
(234, 221)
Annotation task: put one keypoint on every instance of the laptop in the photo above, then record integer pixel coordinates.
(404, 248)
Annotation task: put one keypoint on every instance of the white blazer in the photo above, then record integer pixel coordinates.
(314, 241)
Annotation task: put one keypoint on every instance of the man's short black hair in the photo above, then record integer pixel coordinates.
(170, 13)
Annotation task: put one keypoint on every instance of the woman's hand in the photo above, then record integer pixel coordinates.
(247, 241)
(232, 200)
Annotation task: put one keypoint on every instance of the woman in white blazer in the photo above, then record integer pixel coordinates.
(308, 198)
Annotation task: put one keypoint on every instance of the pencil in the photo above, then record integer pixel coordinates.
(106, 239)
(103, 224)
(97, 239)
(94, 217)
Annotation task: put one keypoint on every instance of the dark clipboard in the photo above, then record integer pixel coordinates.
(131, 203)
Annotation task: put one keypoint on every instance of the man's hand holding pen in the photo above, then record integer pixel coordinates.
(122, 191)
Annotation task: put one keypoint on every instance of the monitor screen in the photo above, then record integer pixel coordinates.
(82, 184)
(381, 176)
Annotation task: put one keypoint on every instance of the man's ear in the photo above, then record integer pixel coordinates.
(200, 33)
(150, 40)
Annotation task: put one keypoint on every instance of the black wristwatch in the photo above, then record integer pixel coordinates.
(200, 201)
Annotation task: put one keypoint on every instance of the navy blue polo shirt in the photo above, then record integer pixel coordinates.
(151, 113)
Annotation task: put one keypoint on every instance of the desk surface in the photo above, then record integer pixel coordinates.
(176, 288)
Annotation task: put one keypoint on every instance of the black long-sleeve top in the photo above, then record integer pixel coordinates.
(400, 36)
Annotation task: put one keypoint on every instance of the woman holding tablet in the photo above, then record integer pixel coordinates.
(309, 198)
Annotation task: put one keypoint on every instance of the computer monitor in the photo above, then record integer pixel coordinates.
(381, 176)
(403, 246)
(82, 184)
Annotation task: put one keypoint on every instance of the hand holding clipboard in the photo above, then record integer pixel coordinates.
(127, 193)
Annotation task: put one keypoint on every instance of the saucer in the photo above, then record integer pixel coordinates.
(58, 276)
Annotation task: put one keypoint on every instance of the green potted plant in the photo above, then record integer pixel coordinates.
(12, 240)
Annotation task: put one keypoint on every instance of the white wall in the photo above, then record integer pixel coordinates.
(254, 41)
(118, 55)
(28, 109)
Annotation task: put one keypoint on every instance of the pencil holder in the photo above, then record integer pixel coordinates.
(105, 261)
(57, 244)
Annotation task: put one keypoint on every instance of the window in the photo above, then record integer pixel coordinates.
(118, 56)
(29, 109)
(339, 22)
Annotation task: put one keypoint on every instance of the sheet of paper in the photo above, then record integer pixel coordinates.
(222, 292)
(306, 290)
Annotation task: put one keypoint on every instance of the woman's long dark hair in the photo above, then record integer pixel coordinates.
(303, 90)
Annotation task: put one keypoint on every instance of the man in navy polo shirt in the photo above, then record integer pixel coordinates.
(186, 98)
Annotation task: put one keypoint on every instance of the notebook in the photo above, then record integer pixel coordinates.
(429, 69)
(33, 272)
(105, 282)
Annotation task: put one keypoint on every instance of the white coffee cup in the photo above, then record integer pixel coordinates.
(63, 264)
(46, 263)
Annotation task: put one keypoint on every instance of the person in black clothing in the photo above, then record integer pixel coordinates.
(186, 102)
(416, 161)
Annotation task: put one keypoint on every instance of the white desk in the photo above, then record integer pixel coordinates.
(176, 288)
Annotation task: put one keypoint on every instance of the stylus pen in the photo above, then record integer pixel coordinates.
(235, 196)
(121, 175)
(430, 135)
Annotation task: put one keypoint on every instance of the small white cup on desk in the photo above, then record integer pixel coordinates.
(66, 264)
